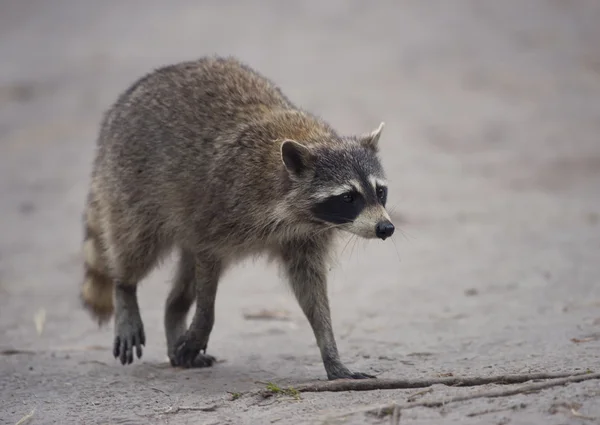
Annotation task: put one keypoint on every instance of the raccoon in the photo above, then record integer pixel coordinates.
(210, 158)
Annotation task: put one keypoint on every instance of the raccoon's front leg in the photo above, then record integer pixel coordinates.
(308, 277)
(186, 352)
(129, 329)
(179, 301)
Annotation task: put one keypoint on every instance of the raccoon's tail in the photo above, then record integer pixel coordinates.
(97, 290)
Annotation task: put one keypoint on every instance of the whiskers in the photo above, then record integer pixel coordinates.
(326, 228)
(350, 239)
(352, 242)
(398, 219)
(396, 248)
(310, 236)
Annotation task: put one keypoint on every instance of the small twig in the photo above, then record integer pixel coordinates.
(17, 351)
(395, 384)
(265, 314)
(594, 337)
(396, 416)
(501, 409)
(178, 409)
(580, 416)
(263, 404)
(158, 390)
(572, 408)
(416, 395)
(26, 418)
(39, 320)
(389, 408)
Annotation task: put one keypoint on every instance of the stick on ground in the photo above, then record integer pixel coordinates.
(393, 408)
(395, 384)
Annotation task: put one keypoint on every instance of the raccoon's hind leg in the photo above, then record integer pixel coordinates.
(185, 351)
(306, 268)
(134, 250)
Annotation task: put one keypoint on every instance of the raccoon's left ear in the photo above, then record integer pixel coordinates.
(371, 140)
(297, 158)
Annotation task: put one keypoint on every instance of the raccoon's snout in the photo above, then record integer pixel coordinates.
(384, 230)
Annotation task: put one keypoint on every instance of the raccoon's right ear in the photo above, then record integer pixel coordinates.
(371, 140)
(297, 158)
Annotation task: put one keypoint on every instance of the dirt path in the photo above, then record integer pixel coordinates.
(492, 114)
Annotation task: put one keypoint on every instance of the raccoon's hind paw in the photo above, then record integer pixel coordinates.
(129, 335)
(188, 355)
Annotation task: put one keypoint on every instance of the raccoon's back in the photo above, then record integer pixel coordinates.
(170, 142)
(184, 111)
(198, 98)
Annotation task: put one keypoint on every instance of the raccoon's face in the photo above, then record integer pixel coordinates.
(344, 183)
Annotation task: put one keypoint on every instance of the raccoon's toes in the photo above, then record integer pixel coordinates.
(360, 375)
(129, 335)
(203, 360)
(343, 373)
(187, 354)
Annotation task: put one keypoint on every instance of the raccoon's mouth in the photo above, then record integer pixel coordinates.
(380, 230)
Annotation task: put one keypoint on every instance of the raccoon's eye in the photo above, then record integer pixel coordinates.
(348, 197)
(380, 192)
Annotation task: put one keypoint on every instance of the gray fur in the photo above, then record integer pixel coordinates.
(193, 156)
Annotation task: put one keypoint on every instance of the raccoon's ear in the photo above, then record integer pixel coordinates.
(297, 158)
(371, 140)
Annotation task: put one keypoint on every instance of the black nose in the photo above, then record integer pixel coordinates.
(384, 230)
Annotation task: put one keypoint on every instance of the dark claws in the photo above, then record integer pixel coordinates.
(346, 374)
(360, 375)
(124, 344)
(186, 355)
(116, 345)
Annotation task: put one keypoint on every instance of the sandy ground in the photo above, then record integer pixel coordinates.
(492, 147)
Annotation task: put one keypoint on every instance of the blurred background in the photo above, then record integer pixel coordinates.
(491, 145)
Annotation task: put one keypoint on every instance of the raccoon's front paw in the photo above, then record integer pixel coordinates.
(129, 334)
(344, 373)
(351, 375)
(360, 375)
(187, 354)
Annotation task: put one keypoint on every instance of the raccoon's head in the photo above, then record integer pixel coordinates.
(341, 184)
